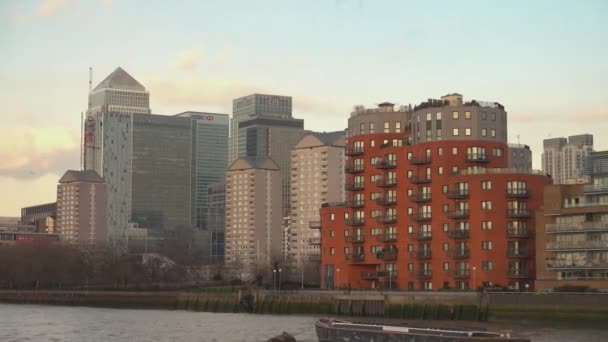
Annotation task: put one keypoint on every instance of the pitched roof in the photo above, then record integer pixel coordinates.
(322, 139)
(245, 163)
(71, 176)
(120, 79)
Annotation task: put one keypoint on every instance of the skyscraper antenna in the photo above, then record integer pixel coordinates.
(81, 140)
(518, 139)
(90, 79)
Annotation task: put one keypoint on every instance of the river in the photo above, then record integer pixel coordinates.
(56, 323)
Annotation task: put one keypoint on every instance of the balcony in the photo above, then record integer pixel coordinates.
(459, 253)
(595, 189)
(372, 275)
(354, 151)
(369, 275)
(355, 238)
(386, 219)
(583, 227)
(424, 274)
(518, 232)
(314, 258)
(354, 186)
(354, 168)
(388, 237)
(315, 241)
(421, 217)
(420, 180)
(578, 245)
(461, 273)
(355, 203)
(422, 236)
(458, 233)
(386, 182)
(421, 255)
(515, 253)
(553, 264)
(518, 274)
(458, 214)
(355, 221)
(518, 213)
(386, 164)
(420, 160)
(477, 158)
(386, 201)
(420, 197)
(517, 193)
(457, 194)
(387, 255)
(314, 224)
(355, 257)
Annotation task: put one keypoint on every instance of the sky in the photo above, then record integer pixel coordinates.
(546, 61)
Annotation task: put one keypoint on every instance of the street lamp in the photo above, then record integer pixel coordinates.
(338, 277)
(274, 279)
(474, 278)
(279, 280)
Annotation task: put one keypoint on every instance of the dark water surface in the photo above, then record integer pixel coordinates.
(57, 323)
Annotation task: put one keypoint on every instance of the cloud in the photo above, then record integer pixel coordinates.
(35, 152)
(48, 8)
(188, 60)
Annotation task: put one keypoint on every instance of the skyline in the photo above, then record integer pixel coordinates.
(544, 66)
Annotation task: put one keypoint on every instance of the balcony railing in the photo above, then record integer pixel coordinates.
(387, 182)
(387, 164)
(314, 224)
(575, 265)
(387, 255)
(518, 213)
(355, 257)
(517, 253)
(386, 219)
(354, 168)
(577, 227)
(424, 274)
(421, 217)
(314, 258)
(457, 194)
(420, 180)
(420, 197)
(355, 221)
(354, 151)
(459, 253)
(420, 160)
(421, 236)
(477, 158)
(517, 193)
(314, 241)
(458, 233)
(371, 275)
(518, 274)
(388, 237)
(355, 203)
(355, 238)
(518, 232)
(386, 201)
(458, 214)
(423, 254)
(595, 189)
(355, 186)
(574, 245)
(461, 273)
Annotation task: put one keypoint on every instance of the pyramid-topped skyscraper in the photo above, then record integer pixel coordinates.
(119, 93)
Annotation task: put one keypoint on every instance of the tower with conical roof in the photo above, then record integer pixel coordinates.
(119, 93)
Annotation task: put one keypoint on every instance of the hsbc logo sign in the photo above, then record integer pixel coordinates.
(207, 117)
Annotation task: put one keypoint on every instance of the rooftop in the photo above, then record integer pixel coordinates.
(246, 163)
(121, 80)
(89, 176)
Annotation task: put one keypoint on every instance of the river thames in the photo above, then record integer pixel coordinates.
(57, 323)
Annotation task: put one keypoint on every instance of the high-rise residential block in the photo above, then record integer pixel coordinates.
(317, 177)
(520, 157)
(572, 239)
(565, 159)
(81, 208)
(253, 217)
(431, 202)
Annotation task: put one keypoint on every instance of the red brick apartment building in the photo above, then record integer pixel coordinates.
(431, 202)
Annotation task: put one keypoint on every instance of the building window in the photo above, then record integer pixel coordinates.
(410, 229)
(497, 152)
(371, 127)
(332, 251)
(486, 205)
(446, 266)
(484, 115)
(486, 185)
(387, 127)
(332, 216)
(454, 151)
(446, 246)
(486, 245)
(446, 208)
(440, 170)
(372, 143)
(362, 128)
(332, 233)
(445, 189)
(493, 116)
(346, 216)
(446, 227)
(429, 116)
(486, 225)
(438, 116)
(346, 251)
(455, 132)
(346, 232)
(467, 131)
(455, 115)
(486, 265)
(398, 127)
(454, 170)
(467, 115)
(440, 151)
(484, 132)
(493, 132)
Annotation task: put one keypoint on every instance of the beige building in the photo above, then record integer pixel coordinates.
(253, 217)
(572, 249)
(317, 177)
(564, 159)
(81, 208)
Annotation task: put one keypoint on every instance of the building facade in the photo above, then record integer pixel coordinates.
(572, 239)
(119, 92)
(24, 238)
(215, 217)
(43, 216)
(317, 177)
(253, 217)
(81, 208)
(565, 159)
(431, 202)
(253, 106)
(597, 164)
(520, 157)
